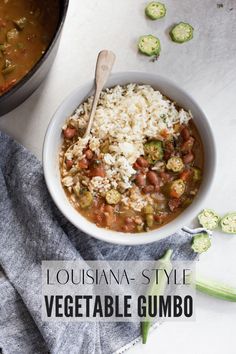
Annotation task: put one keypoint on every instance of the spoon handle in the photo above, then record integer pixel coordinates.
(105, 62)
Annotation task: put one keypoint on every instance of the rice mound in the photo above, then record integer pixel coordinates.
(126, 118)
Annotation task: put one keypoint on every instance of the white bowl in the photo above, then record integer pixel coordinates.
(53, 141)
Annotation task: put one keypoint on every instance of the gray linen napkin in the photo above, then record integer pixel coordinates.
(31, 230)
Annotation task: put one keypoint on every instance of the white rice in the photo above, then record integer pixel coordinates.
(126, 117)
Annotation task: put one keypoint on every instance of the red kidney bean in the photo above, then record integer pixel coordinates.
(129, 227)
(108, 208)
(98, 171)
(174, 204)
(168, 150)
(96, 203)
(128, 220)
(69, 133)
(185, 175)
(110, 217)
(148, 189)
(136, 166)
(187, 145)
(102, 207)
(2, 23)
(89, 154)
(153, 178)
(140, 180)
(167, 155)
(159, 218)
(166, 177)
(141, 161)
(138, 220)
(125, 228)
(188, 158)
(83, 164)
(169, 146)
(69, 164)
(99, 219)
(185, 133)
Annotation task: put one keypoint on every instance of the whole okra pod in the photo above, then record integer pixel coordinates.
(214, 288)
(157, 289)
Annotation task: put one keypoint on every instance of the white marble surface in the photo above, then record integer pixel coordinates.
(206, 68)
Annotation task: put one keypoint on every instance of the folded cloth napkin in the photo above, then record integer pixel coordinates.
(31, 230)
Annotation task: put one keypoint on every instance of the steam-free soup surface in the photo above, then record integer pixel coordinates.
(26, 30)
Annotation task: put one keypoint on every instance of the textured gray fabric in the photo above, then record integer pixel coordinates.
(32, 230)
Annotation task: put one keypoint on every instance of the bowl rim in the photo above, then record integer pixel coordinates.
(107, 235)
(42, 59)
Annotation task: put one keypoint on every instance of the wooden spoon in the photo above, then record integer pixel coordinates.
(104, 66)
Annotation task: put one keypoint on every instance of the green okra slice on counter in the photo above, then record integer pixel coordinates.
(182, 32)
(201, 242)
(155, 10)
(149, 45)
(228, 223)
(209, 219)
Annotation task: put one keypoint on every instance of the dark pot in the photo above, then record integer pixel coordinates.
(29, 83)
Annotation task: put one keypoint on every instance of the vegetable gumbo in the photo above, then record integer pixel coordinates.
(116, 186)
(26, 30)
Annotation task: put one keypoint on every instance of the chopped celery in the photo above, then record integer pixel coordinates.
(77, 189)
(149, 220)
(20, 23)
(3, 47)
(148, 209)
(85, 200)
(12, 35)
(8, 67)
(197, 174)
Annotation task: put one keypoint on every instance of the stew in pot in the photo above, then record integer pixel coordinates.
(26, 30)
